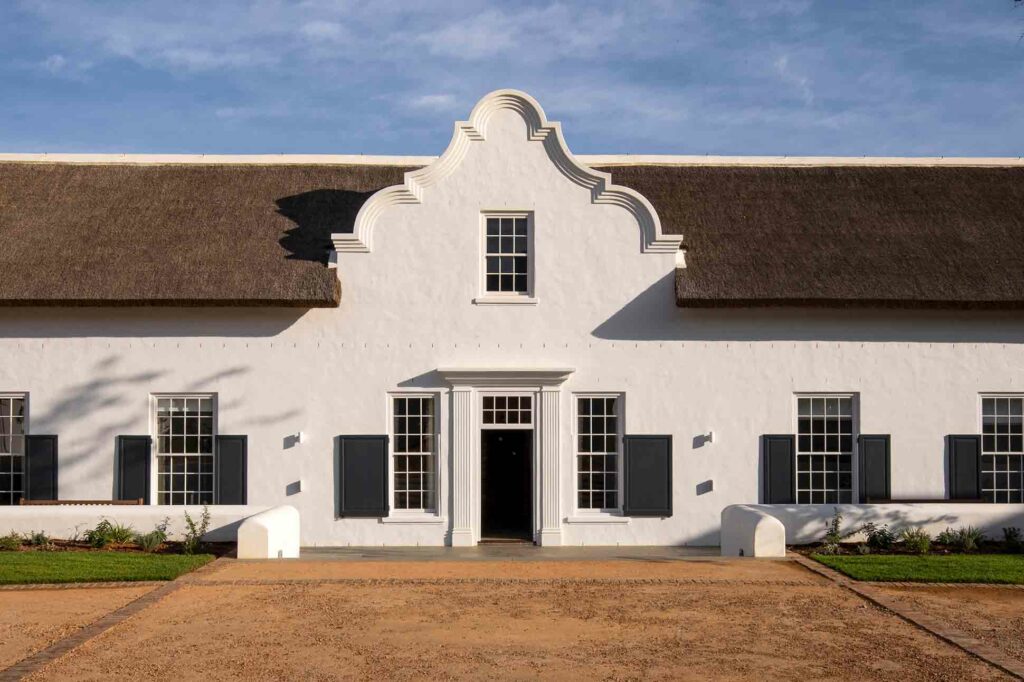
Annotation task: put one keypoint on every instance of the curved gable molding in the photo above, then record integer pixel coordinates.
(539, 129)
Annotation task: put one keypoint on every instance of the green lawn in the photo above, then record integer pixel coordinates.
(84, 567)
(954, 568)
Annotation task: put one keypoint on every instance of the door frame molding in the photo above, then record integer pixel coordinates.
(545, 384)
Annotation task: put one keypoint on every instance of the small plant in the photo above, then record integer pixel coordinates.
(916, 540)
(834, 533)
(1013, 539)
(879, 537)
(10, 542)
(38, 539)
(100, 536)
(195, 531)
(964, 539)
(863, 549)
(107, 533)
(121, 534)
(151, 541)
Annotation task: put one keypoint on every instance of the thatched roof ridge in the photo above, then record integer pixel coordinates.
(235, 234)
(181, 235)
(883, 236)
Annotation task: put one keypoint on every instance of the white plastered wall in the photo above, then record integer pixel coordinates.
(605, 308)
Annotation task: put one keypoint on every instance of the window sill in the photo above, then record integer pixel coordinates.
(598, 518)
(412, 518)
(506, 300)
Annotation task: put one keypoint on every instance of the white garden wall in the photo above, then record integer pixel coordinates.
(71, 521)
(806, 523)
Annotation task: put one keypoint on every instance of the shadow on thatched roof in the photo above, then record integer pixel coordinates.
(181, 235)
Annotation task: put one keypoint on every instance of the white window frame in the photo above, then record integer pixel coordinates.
(854, 440)
(500, 394)
(155, 435)
(981, 432)
(24, 396)
(485, 297)
(416, 515)
(620, 417)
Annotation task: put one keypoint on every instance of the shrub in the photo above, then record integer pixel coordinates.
(10, 542)
(863, 549)
(916, 540)
(195, 531)
(946, 537)
(879, 537)
(1013, 539)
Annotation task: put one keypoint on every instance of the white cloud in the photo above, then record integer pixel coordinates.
(798, 81)
(433, 102)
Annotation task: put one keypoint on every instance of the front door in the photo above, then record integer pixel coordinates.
(506, 484)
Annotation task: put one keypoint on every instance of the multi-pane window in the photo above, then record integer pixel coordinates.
(414, 449)
(506, 256)
(1002, 449)
(12, 448)
(597, 453)
(824, 459)
(516, 410)
(184, 441)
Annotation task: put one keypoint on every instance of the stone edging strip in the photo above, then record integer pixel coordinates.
(81, 586)
(917, 617)
(397, 582)
(36, 661)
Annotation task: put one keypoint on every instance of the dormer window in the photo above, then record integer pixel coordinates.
(507, 258)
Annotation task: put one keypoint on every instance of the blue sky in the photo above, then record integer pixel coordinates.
(332, 76)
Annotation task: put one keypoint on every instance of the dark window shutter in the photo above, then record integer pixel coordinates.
(40, 467)
(964, 467)
(232, 469)
(363, 473)
(779, 453)
(647, 476)
(133, 458)
(874, 464)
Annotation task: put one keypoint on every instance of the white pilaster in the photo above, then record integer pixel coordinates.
(550, 428)
(462, 466)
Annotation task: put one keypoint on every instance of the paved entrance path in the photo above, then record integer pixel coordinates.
(371, 617)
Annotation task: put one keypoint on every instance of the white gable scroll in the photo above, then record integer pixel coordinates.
(418, 183)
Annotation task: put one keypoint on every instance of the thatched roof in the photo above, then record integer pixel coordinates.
(893, 236)
(234, 234)
(230, 235)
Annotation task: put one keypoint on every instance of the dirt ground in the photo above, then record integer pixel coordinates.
(33, 619)
(994, 615)
(514, 620)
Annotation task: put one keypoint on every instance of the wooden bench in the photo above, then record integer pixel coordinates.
(51, 503)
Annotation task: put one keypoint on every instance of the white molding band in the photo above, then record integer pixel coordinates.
(588, 159)
(487, 377)
(539, 129)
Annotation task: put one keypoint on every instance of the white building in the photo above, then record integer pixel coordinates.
(510, 341)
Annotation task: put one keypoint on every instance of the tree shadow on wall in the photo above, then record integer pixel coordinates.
(318, 214)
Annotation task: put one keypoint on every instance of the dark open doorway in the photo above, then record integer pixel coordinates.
(506, 484)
